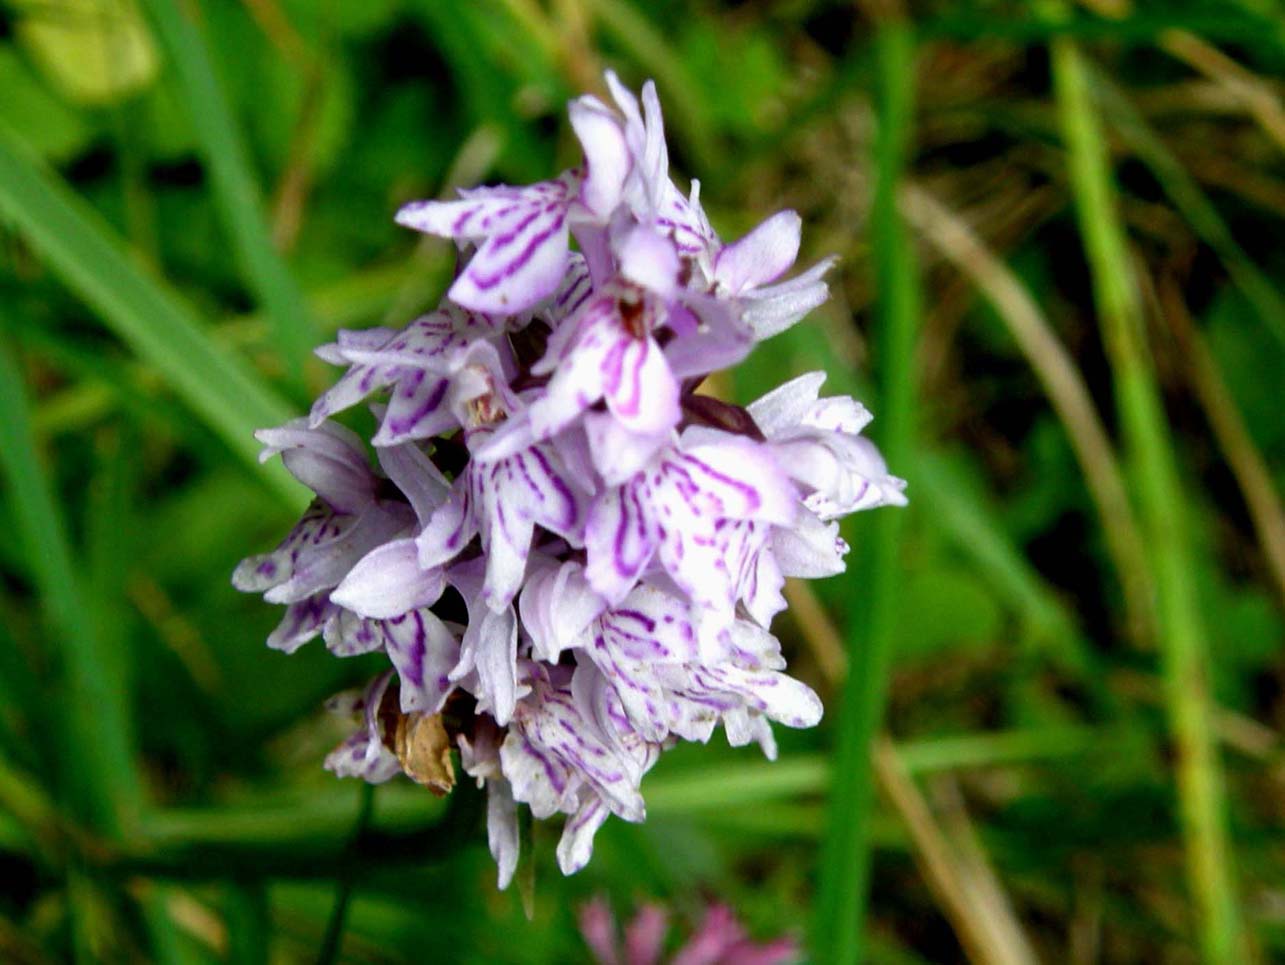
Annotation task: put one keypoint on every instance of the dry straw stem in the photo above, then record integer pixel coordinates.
(950, 234)
(1248, 90)
(1246, 462)
(966, 887)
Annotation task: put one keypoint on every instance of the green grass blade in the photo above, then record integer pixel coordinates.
(97, 761)
(236, 193)
(845, 867)
(1187, 196)
(77, 244)
(1183, 646)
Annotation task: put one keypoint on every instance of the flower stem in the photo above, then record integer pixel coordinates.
(333, 939)
(845, 871)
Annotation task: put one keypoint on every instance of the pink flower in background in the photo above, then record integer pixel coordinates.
(570, 556)
(719, 940)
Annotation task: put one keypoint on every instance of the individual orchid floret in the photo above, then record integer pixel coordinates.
(570, 750)
(417, 365)
(676, 511)
(364, 754)
(347, 520)
(503, 502)
(523, 233)
(668, 683)
(818, 441)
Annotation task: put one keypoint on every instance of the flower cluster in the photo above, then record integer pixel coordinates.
(569, 555)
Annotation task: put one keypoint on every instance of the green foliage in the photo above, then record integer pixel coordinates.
(178, 228)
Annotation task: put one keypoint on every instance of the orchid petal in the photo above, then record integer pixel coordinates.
(389, 581)
(761, 256)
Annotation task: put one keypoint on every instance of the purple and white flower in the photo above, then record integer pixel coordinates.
(545, 470)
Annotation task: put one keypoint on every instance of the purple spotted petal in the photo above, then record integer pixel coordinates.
(349, 635)
(319, 551)
(302, 622)
(363, 754)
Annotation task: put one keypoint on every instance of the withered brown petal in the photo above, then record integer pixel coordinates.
(423, 747)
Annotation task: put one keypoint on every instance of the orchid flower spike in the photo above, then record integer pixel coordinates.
(569, 555)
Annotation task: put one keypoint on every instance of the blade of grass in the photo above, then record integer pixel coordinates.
(967, 891)
(1184, 191)
(235, 191)
(226, 393)
(96, 754)
(99, 772)
(1200, 782)
(845, 865)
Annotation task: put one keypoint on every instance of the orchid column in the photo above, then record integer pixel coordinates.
(570, 556)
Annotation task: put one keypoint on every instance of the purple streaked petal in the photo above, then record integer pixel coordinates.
(513, 495)
(423, 652)
(416, 409)
(575, 847)
(519, 264)
(450, 529)
(639, 388)
(389, 581)
(620, 539)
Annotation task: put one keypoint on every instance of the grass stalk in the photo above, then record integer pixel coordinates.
(98, 765)
(845, 865)
(1200, 781)
(152, 319)
(236, 192)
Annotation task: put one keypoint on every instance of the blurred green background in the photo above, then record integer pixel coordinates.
(1060, 292)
